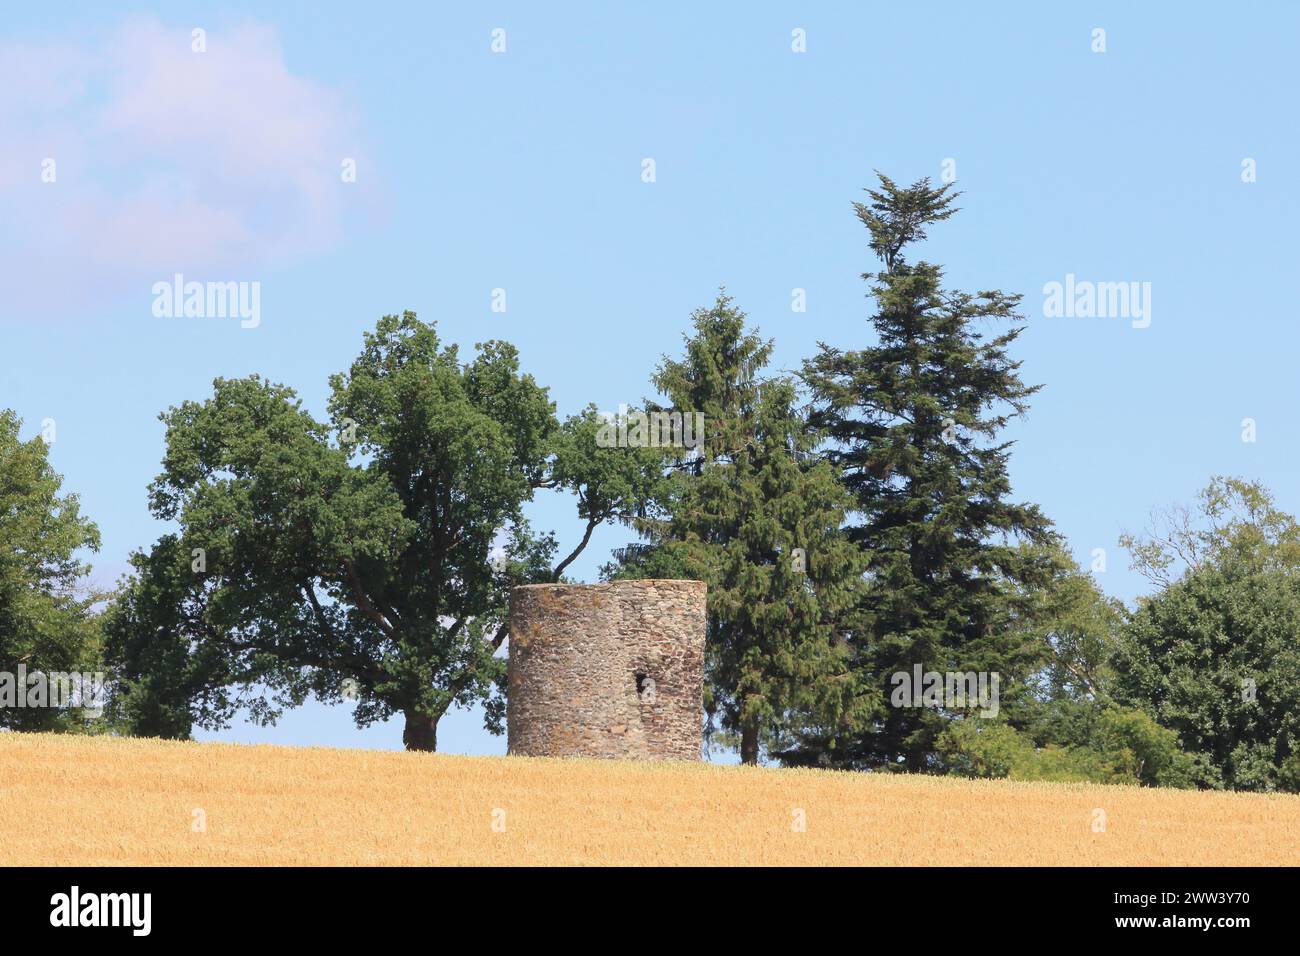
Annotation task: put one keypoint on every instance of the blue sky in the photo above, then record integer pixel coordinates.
(522, 171)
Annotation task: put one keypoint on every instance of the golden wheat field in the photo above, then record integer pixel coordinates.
(91, 801)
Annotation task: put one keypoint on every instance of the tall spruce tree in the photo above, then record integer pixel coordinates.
(758, 517)
(913, 424)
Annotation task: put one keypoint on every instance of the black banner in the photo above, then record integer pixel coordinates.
(339, 904)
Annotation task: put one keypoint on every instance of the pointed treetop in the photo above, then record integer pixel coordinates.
(898, 216)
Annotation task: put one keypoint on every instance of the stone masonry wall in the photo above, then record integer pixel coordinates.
(607, 670)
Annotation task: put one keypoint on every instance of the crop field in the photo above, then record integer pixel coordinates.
(90, 801)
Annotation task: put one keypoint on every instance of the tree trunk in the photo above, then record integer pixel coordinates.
(749, 744)
(421, 732)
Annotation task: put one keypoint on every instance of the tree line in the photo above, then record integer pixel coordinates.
(854, 522)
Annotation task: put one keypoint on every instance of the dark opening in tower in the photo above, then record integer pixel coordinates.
(645, 688)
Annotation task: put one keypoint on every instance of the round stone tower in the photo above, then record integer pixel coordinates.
(607, 670)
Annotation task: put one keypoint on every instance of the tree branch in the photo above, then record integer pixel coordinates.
(586, 537)
(363, 602)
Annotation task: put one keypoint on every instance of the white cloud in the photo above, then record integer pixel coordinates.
(217, 164)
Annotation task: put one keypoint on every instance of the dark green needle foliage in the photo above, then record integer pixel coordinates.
(914, 424)
(757, 516)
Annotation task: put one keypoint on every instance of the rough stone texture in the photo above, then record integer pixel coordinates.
(577, 655)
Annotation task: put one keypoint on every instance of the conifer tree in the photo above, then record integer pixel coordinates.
(754, 514)
(913, 424)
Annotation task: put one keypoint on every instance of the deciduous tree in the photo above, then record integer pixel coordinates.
(46, 620)
(369, 558)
